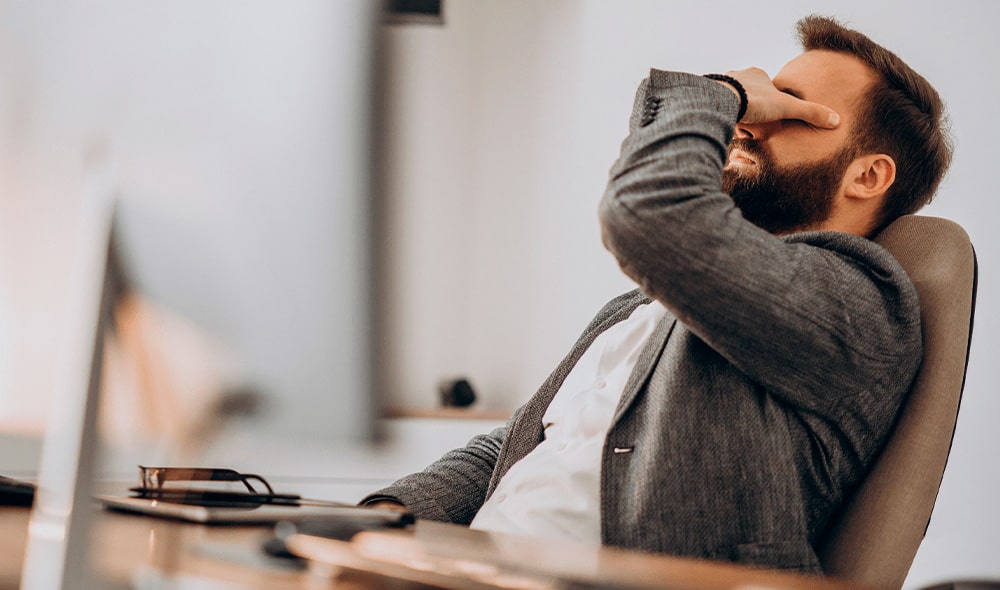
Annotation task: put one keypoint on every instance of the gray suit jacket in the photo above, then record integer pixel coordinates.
(763, 395)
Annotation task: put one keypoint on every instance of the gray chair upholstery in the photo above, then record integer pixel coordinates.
(875, 537)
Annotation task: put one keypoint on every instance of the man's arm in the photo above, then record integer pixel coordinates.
(816, 318)
(453, 488)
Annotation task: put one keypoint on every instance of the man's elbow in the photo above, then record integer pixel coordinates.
(621, 236)
(615, 230)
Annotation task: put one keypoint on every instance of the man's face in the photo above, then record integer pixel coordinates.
(787, 175)
(785, 199)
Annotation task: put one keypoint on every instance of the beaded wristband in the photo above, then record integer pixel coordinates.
(739, 90)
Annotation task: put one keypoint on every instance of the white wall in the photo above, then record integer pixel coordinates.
(487, 210)
(506, 121)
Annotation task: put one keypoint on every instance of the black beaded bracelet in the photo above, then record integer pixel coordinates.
(739, 90)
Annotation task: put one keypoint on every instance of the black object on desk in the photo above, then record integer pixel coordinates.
(341, 528)
(14, 492)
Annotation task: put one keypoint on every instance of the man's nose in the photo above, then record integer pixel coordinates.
(755, 131)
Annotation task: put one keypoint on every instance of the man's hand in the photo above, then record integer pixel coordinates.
(765, 103)
(387, 505)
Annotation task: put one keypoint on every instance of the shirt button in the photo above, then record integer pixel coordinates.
(501, 497)
(600, 384)
(562, 446)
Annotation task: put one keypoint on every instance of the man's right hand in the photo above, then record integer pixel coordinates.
(765, 103)
(387, 505)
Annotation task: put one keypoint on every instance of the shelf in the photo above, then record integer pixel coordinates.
(458, 413)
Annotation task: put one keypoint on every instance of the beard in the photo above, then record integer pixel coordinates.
(784, 200)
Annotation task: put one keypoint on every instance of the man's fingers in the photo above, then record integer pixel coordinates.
(818, 115)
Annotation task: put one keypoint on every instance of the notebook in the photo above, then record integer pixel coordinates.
(261, 514)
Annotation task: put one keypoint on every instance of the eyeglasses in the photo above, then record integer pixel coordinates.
(153, 480)
(156, 477)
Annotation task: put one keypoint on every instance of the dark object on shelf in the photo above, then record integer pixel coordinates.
(14, 492)
(457, 393)
(425, 12)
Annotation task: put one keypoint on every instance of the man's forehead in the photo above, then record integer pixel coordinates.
(831, 78)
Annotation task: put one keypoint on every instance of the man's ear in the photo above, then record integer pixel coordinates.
(870, 176)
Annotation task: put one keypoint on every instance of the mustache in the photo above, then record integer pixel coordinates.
(749, 146)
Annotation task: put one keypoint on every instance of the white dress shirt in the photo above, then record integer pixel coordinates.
(554, 491)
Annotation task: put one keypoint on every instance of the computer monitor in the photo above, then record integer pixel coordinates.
(235, 141)
(239, 136)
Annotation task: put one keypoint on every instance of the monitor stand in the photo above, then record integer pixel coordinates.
(57, 554)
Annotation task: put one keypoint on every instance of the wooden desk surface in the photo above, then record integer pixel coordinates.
(128, 549)
(135, 552)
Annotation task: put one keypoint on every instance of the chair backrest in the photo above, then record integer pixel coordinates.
(874, 539)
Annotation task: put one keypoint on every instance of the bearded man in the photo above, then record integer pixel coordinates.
(727, 407)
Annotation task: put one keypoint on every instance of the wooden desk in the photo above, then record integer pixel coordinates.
(126, 548)
(133, 552)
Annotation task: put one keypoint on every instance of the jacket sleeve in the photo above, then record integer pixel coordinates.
(453, 488)
(814, 317)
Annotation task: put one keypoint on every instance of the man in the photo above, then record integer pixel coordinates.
(727, 408)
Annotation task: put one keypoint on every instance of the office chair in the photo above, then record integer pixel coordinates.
(874, 538)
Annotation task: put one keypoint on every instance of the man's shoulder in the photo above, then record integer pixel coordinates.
(629, 299)
(616, 310)
(857, 251)
(865, 264)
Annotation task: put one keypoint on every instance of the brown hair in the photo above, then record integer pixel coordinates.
(904, 117)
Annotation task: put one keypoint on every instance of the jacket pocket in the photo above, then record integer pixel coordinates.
(792, 555)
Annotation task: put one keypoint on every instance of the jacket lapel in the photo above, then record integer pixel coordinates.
(644, 367)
